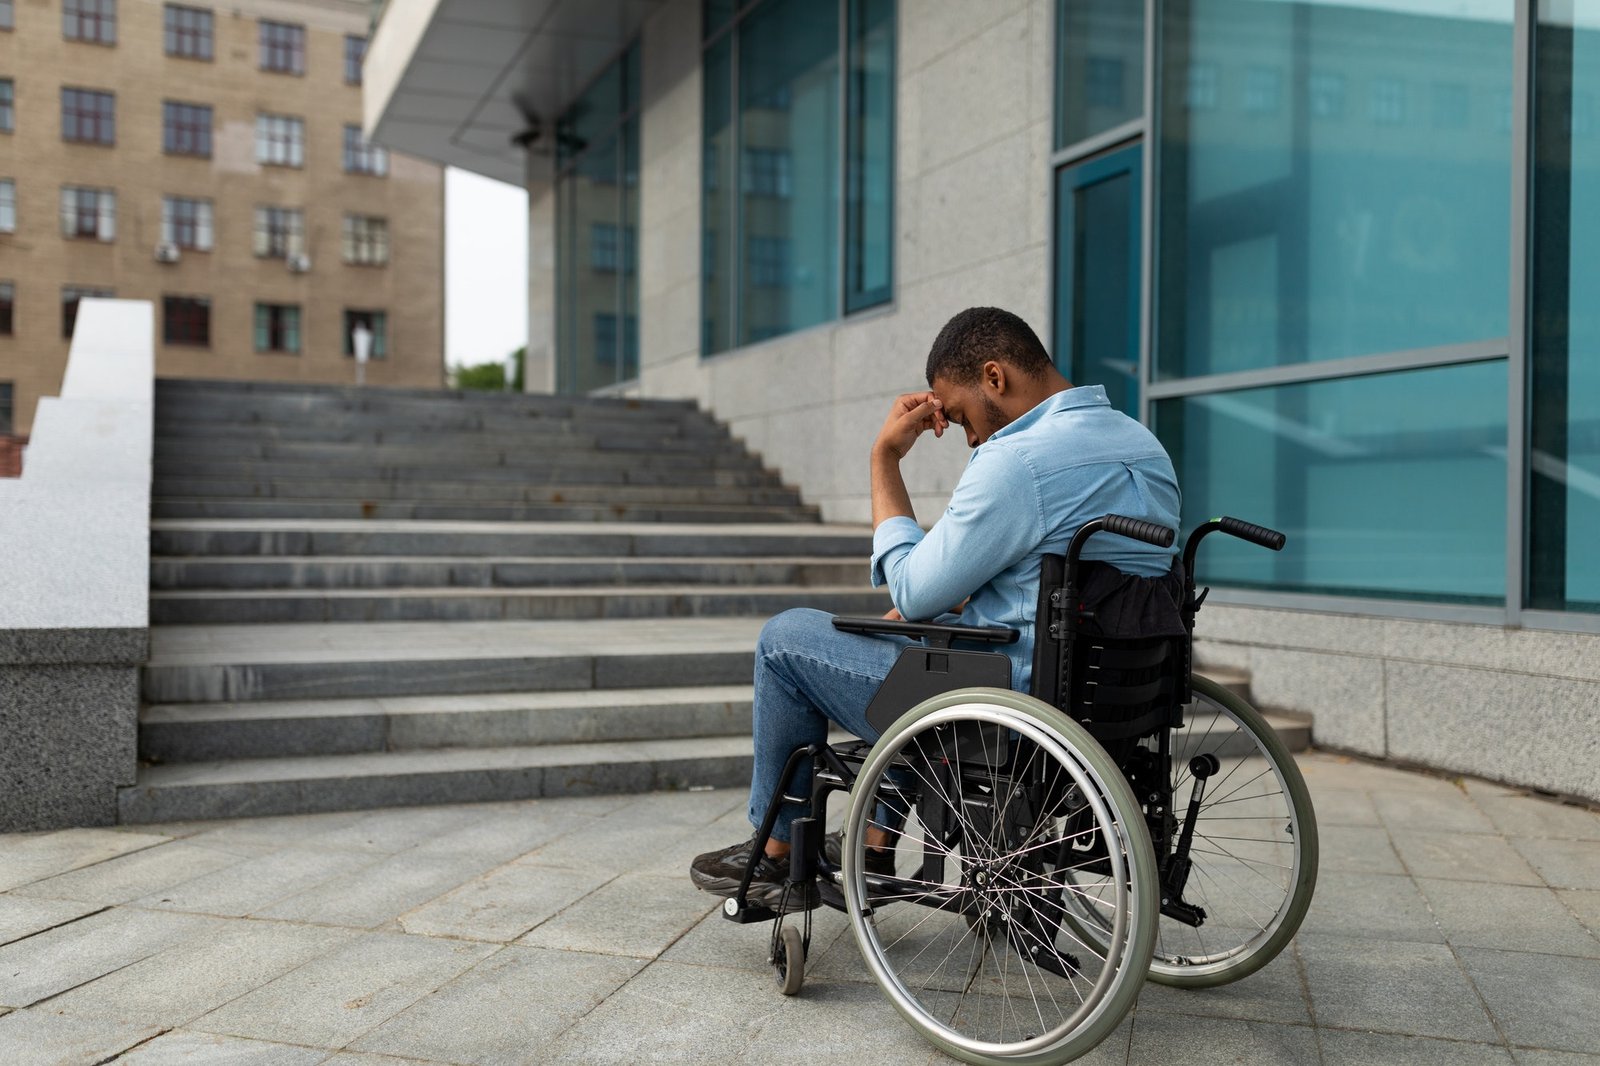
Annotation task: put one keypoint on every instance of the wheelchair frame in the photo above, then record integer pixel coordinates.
(1126, 693)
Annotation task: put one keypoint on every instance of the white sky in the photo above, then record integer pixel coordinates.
(486, 268)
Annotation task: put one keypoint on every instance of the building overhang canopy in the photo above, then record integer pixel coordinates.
(477, 83)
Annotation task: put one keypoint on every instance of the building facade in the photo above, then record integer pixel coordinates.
(1338, 271)
(210, 160)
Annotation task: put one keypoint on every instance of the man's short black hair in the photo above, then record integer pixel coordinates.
(978, 335)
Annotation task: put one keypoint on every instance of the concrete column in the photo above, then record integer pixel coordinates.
(539, 370)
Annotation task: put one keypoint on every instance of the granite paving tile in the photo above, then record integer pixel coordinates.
(1540, 1001)
(1412, 989)
(1585, 903)
(1449, 811)
(378, 893)
(1344, 806)
(505, 1009)
(1380, 906)
(21, 916)
(258, 883)
(177, 985)
(62, 958)
(1198, 1041)
(1271, 994)
(27, 857)
(1526, 1057)
(45, 1038)
(1519, 815)
(129, 877)
(502, 904)
(182, 1048)
(635, 914)
(397, 828)
(1462, 857)
(334, 999)
(715, 941)
(1357, 849)
(1511, 917)
(1345, 1047)
(613, 845)
(1563, 863)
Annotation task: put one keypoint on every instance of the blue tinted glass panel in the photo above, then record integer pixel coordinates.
(1391, 485)
(1324, 192)
(869, 207)
(789, 166)
(717, 199)
(1564, 441)
(1099, 67)
(1097, 276)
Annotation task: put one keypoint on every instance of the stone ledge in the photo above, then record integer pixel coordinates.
(127, 646)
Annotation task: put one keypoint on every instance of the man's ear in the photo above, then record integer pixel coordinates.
(994, 375)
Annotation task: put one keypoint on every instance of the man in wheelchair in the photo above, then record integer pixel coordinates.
(1046, 459)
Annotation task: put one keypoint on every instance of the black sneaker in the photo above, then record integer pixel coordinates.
(719, 872)
(880, 861)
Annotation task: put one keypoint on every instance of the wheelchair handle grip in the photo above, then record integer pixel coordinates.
(1133, 528)
(1267, 538)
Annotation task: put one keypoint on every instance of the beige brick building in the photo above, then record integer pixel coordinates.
(240, 291)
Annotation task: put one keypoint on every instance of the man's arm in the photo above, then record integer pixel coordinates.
(911, 415)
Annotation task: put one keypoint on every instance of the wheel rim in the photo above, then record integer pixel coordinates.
(1246, 854)
(972, 974)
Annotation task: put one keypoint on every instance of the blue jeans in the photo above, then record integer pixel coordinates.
(809, 674)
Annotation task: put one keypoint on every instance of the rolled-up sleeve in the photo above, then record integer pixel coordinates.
(995, 518)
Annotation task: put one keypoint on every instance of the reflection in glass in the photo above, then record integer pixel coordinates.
(1564, 438)
(1324, 192)
(1099, 67)
(1097, 275)
(597, 216)
(788, 137)
(1388, 485)
(869, 181)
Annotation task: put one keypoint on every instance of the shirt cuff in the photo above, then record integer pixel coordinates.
(891, 536)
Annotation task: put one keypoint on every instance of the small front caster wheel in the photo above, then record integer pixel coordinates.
(789, 962)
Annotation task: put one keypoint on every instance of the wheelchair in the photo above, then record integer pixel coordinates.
(1047, 852)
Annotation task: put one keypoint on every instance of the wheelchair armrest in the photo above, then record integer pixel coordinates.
(931, 633)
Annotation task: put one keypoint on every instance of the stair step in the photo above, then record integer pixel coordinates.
(390, 571)
(249, 787)
(493, 491)
(466, 511)
(226, 607)
(1235, 681)
(622, 540)
(573, 468)
(356, 659)
(194, 732)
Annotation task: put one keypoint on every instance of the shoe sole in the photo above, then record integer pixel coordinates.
(762, 894)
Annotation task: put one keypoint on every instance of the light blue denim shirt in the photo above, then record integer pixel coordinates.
(1024, 493)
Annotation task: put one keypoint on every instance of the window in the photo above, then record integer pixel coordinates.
(283, 47)
(70, 295)
(769, 262)
(280, 140)
(1388, 102)
(280, 232)
(94, 21)
(1263, 86)
(597, 209)
(8, 299)
(88, 213)
(7, 106)
(355, 50)
(1327, 95)
(1451, 106)
(361, 157)
(1200, 91)
(88, 116)
(186, 129)
(186, 32)
(7, 399)
(8, 17)
(1099, 67)
(186, 320)
(8, 205)
(366, 240)
(827, 156)
(186, 223)
(766, 173)
(375, 321)
(278, 328)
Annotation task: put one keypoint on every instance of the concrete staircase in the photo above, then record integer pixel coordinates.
(382, 597)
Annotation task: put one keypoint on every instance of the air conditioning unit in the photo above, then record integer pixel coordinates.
(299, 264)
(166, 253)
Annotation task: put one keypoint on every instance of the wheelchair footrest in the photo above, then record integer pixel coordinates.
(749, 914)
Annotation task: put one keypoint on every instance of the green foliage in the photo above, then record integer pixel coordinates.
(489, 376)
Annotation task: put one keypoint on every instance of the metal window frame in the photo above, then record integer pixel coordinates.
(1514, 348)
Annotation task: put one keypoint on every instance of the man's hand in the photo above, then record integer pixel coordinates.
(894, 615)
(910, 416)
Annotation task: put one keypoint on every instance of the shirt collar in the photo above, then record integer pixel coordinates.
(1065, 400)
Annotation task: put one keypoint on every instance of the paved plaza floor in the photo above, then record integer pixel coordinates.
(1455, 922)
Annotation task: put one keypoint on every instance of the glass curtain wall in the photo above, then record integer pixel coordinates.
(1564, 349)
(1331, 313)
(597, 220)
(798, 175)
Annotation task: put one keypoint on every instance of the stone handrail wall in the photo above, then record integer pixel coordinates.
(74, 584)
